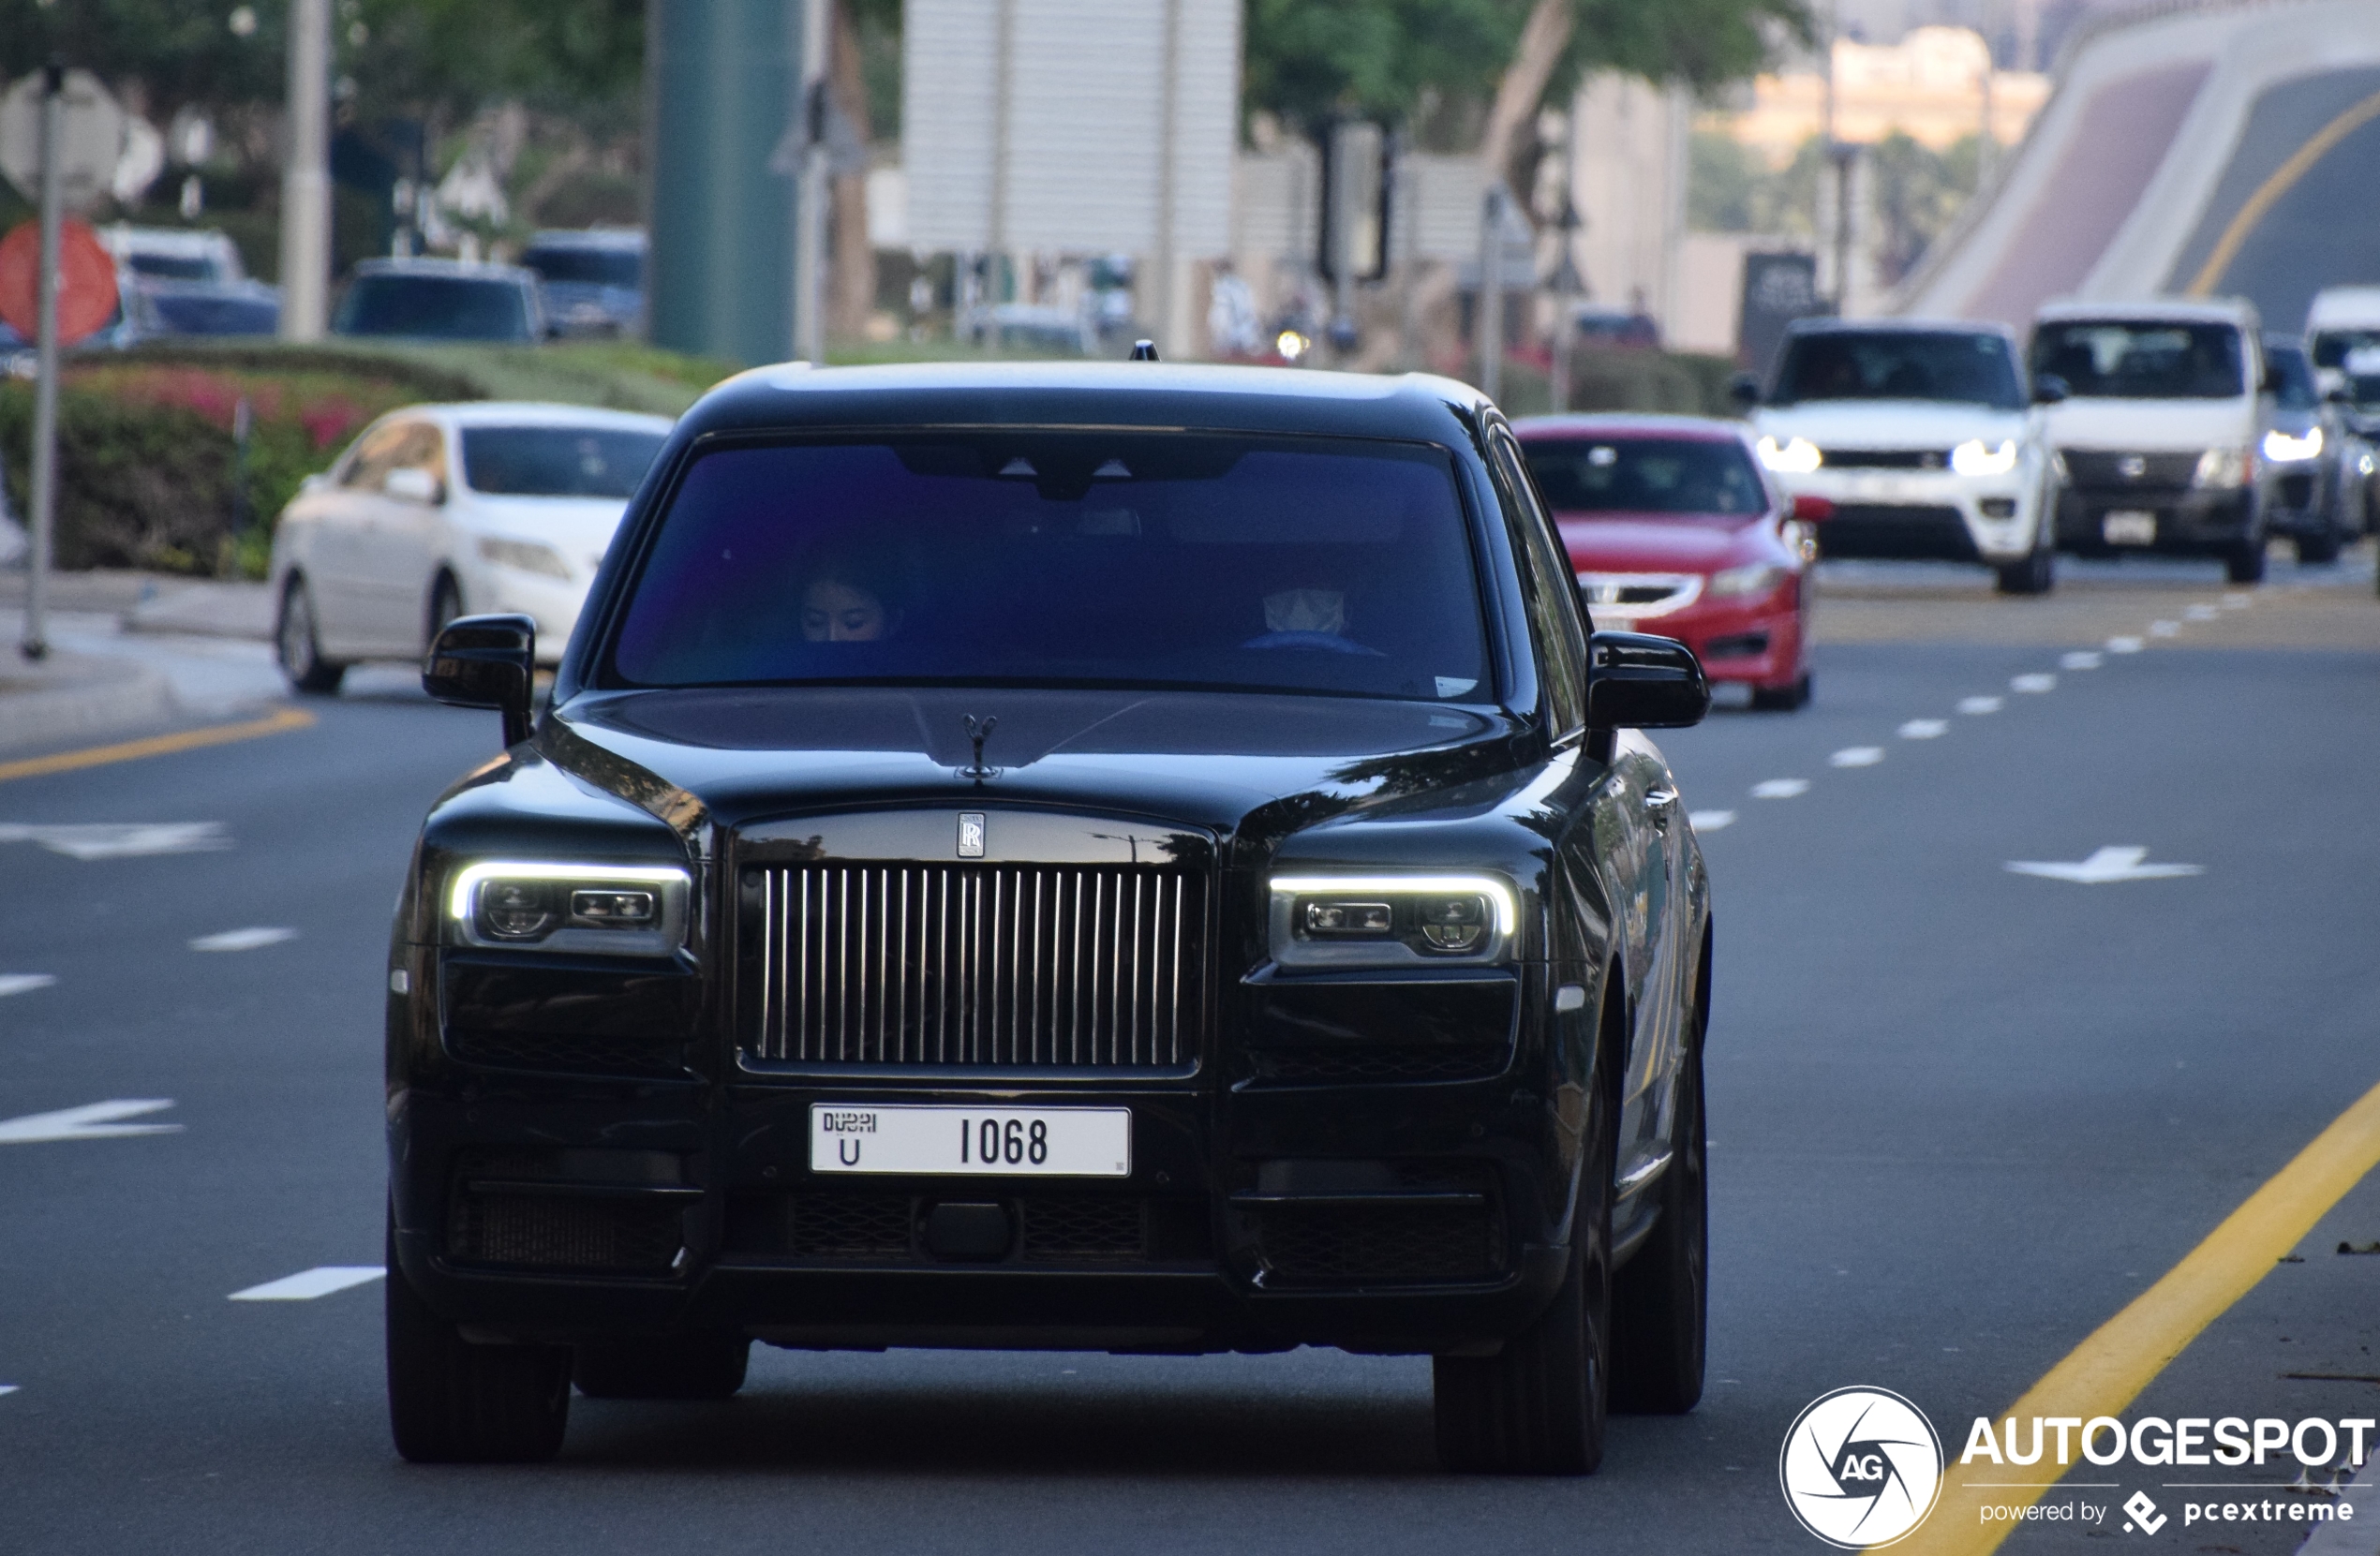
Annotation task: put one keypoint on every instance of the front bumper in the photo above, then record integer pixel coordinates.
(2189, 523)
(1919, 515)
(1758, 643)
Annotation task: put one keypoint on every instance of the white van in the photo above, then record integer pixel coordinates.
(2159, 409)
(2343, 335)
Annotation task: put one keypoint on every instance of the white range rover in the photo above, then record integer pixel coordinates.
(1922, 436)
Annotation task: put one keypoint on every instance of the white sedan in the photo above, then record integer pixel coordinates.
(437, 511)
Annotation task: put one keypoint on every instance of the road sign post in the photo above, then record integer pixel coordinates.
(45, 391)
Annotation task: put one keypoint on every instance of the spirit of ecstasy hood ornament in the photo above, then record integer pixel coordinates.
(979, 731)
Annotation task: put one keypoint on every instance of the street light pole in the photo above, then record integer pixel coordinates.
(306, 179)
(45, 393)
(1491, 308)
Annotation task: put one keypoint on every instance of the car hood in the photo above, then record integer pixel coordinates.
(2151, 425)
(1666, 542)
(1887, 423)
(1232, 763)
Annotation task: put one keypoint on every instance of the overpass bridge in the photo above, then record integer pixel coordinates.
(2196, 148)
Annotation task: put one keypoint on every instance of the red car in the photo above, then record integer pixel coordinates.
(1672, 529)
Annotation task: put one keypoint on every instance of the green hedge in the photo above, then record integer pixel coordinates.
(149, 476)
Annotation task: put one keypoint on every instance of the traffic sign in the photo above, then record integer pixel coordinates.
(87, 281)
(91, 131)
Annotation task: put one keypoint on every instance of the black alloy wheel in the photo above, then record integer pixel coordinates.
(1537, 1406)
(454, 1402)
(2036, 574)
(2245, 562)
(1660, 1298)
(2315, 551)
(299, 645)
(446, 603)
(1782, 699)
(690, 1367)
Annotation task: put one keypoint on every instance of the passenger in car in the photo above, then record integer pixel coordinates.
(849, 599)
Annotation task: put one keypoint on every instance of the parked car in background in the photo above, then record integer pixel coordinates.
(2315, 467)
(439, 510)
(593, 280)
(1922, 438)
(441, 300)
(2159, 427)
(177, 281)
(1673, 529)
(1625, 329)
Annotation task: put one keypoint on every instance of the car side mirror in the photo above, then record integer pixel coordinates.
(2049, 390)
(411, 483)
(1745, 391)
(1811, 509)
(1636, 681)
(486, 661)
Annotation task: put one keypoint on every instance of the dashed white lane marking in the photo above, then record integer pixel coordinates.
(1780, 789)
(1924, 729)
(243, 940)
(2238, 601)
(121, 840)
(1857, 756)
(307, 1285)
(2164, 629)
(91, 1121)
(2037, 681)
(2123, 646)
(1979, 704)
(2107, 863)
(1711, 820)
(2082, 658)
(2201, 612)
(24, 983)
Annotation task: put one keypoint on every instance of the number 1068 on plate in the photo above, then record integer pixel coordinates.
(971, 1142)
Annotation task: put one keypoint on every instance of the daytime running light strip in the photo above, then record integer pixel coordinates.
(458, 901)
(1508, 911)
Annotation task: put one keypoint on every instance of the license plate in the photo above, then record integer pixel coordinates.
(971, 1142)
(2129, 526)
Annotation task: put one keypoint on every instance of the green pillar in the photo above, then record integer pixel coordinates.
(723, 88)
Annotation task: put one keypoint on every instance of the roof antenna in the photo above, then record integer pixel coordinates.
(1144, 351)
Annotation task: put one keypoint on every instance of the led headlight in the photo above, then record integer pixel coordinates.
(1799, 456)
(2222, 469)
(1975, 457)
(624, 910)
(1391, 920)
(2282, 449)
(527, 556)
(1751, 578)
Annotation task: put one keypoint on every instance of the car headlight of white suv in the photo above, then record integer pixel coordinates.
(1976, 457)
(1797, 457)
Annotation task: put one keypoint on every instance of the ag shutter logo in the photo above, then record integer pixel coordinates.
(1861, 1467)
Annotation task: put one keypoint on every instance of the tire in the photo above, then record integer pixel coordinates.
(698, 1366)
(2036, 574)
(1660, 1298)
(2245, 562)
(446, 603)
(1536, 1407)
(2315, 551)
(1782, 699)
(299, 645)
(454, 1402)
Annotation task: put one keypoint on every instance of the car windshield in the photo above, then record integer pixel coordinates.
(558, 462)
(438, 307)
(2355, 353)
(215, 313)
(1961, 366)
(2295, 391)
(1645, 475)
(1060, 558)
(2139, 360)
(598, 267)
(173, 267)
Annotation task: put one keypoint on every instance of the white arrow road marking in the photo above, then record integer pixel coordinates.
(2108, 864)
(1711, 820)
(2079, 659)
(1979, 704)
(2201, 612)
(1780, 789)
(243, 940)
(91, 1121)
(121, 840)
(2035, 682)
(1857, 756)
(2123, 646)
(307, 1285)
(2164, 629)
(10, 1388)
(24, 983)
(1924, 729)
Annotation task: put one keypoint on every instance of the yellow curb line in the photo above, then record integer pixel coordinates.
(160, 745)
(2107, 1371)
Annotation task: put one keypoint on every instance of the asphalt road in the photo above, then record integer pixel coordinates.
(1960, 1116)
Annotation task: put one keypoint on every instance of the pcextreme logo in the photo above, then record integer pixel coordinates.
(1861, 1467)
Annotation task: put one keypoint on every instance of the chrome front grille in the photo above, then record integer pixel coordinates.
(1000, 964)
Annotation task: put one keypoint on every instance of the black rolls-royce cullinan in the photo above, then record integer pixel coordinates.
(1121, 857)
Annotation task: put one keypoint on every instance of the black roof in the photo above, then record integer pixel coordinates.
(1114, 394)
